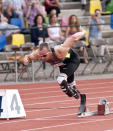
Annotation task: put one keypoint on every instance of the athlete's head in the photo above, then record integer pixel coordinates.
(44, 51)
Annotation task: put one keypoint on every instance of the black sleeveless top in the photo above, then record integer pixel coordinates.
(56, 61)
(71, 56)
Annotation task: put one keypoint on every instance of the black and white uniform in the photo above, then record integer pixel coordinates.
(67, 68)
(69, 65)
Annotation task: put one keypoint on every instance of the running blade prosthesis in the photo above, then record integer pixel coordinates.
(102, 109)
(82, 104)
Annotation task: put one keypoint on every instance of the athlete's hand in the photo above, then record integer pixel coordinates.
(33, 56)
(79, 35)
(26, 60)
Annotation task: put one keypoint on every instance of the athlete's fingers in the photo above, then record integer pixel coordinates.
(26, 60)
(79, 35)
(34, 55)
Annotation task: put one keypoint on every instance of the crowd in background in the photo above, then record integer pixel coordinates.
(36, 14)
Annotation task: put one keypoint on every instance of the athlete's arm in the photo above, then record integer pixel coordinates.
(32, 56)
(70, 41)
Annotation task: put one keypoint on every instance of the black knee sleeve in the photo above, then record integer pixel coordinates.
(65, 89)
(74, 91)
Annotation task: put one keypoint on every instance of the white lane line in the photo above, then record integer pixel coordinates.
(55, 108)
(65, 100)
(67, 107)
(13, 121)
(69, 124)
(44, 118)
(47, 87)
(46, 92)
(63, 107)
(30, 119)
(43, 103)
(44, 97)
(53, 87)
(55, 96)
(109, 130)
(40, 88)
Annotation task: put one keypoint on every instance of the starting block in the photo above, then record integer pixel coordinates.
(10, 104)
(102, 109)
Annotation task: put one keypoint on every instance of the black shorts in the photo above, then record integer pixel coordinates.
(70, 65)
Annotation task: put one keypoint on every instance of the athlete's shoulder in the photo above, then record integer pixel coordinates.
(59, 48)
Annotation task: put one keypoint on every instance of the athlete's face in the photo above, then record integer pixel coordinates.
(44, 54)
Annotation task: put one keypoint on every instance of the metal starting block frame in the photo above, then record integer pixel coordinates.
(102, 109)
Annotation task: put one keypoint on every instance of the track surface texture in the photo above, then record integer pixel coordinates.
(49, 109)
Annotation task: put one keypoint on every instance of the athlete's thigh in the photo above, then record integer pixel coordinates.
(68, 69)
(70, 79)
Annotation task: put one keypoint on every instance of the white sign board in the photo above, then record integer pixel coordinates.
(10, 104)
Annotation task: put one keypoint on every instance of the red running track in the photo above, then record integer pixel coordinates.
(49, 109)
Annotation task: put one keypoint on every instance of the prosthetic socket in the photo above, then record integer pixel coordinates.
(70, 89)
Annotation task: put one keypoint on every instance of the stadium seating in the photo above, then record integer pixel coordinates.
(18, 39)
(16, 22)
(2, 42)
(94, 4)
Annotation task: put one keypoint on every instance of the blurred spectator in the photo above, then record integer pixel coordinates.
(55, 32)
(95, 30)
(107, 2)
(9, 13)
(32, 9)
(95, 25)
(83, 3)
(18, 6)
(104, 3)
(1, 6)
(52, 4)
(7, 29)
(2, 18)
(37, 32)
(74, 28)
(52, 12)
(40, 7)
(109, 6)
